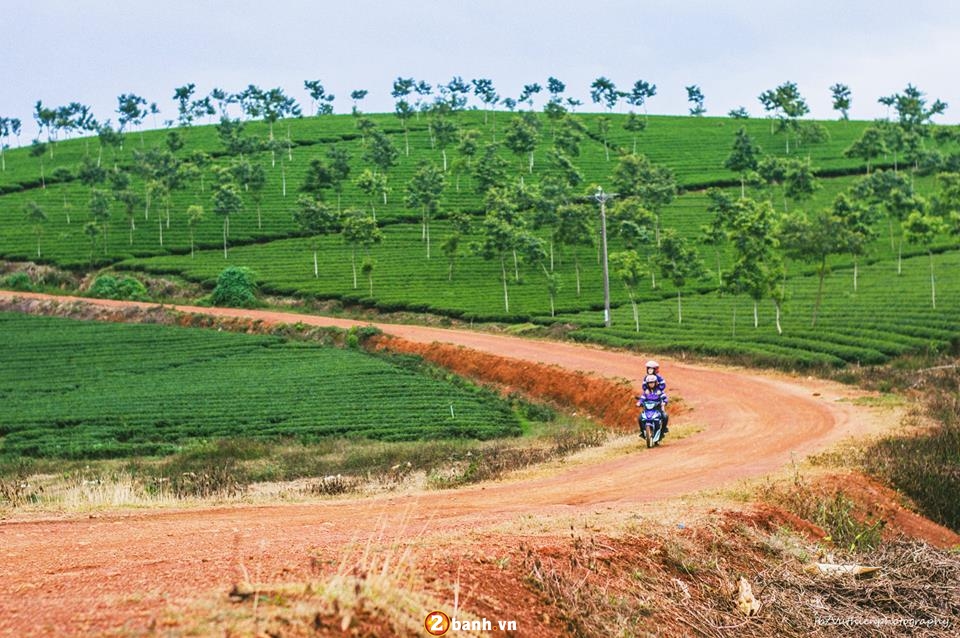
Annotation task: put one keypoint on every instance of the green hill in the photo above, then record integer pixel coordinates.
(155, 234)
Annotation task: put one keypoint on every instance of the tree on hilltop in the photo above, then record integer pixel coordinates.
(912, 111)
(358, 96)
(695, 97)
(274, 105)
(640, 93)
(529, 90)
(321, 101)
(402, 87)
(130, 110)
(8, 126)
(183, 95)
(841, 100)
(45, 119)
(555, 88)
(787, 106)
(603, 90)
(483, 89)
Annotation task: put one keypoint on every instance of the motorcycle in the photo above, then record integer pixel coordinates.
(650, 420)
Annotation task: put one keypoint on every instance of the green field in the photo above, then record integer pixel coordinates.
(84, 390)
(891, 313)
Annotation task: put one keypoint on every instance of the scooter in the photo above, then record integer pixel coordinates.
(650, 420)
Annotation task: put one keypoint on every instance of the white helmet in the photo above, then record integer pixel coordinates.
(653, 364)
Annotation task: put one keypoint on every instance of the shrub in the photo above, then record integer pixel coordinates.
(109, 287)
(236, 287)
(18, 281)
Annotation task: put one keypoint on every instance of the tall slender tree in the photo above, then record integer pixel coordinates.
(640, 93)
(814, 239)
(757, 268)
(604, 91)
(314, 218)
(743, 158)
(679, 263)
(339, 167)
(321, 101)
(841, 100)
(923, 227)
(868, 147)
(227, 201)
(424, 191)
(360, 231)
(696, 100)
(131, 110)
(194, 217)
(629, 268)
(521, 137)
(37, 217)
(358, 96)
(655, 186)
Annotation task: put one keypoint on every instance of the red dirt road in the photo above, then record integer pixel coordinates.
(124, 571)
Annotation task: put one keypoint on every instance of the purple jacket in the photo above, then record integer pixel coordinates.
(656, 395)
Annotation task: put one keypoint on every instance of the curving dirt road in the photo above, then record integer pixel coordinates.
(76, 576)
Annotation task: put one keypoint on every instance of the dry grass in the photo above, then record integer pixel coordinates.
(377, 588)
(682, 582)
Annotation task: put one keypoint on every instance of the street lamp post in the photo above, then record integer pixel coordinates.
(602, 198)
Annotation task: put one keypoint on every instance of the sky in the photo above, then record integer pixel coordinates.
(91, 51)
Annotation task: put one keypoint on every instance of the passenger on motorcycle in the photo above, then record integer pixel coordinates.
(652, 391)
(653, 368)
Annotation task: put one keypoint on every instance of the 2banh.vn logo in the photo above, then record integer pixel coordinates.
(438, 623)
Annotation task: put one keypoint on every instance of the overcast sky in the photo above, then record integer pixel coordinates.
(91, 51)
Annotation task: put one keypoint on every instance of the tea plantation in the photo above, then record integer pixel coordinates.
(85, 390)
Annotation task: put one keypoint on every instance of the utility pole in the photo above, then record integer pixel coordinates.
(602, 198)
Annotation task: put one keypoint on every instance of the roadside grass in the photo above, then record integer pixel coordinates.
(926, 465)
(258, 470)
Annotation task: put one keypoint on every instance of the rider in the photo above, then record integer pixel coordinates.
(653, 368)
(652, 390)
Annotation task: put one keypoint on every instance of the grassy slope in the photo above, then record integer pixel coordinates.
(404, 279)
